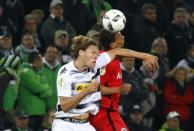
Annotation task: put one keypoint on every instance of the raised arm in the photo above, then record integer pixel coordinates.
(150, 61)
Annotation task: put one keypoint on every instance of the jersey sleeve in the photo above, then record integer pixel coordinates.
(103, 60)
(63, 85)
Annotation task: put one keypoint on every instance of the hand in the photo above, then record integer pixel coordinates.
(151, 62)
(125, 88)
(92, 87)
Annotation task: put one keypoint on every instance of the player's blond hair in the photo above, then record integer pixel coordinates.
(81, 43)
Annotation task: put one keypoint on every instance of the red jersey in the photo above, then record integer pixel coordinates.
(111, 76)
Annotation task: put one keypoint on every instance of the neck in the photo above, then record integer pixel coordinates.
(79, 64)
(51, 63)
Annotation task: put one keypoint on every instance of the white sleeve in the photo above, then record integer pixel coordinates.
(103, 60)
(63, 85)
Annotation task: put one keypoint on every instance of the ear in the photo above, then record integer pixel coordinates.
(112, 45)
(81, 52)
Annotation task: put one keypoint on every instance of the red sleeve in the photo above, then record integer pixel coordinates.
(170, 94)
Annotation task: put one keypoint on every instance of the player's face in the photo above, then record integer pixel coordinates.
(119, 41)
(90, 55)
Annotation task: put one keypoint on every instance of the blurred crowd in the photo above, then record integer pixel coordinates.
(35, 41)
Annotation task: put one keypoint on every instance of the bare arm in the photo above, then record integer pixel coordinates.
(68, 103)
(126, 53)
(107, 91)
(124, 89)
(149, 61)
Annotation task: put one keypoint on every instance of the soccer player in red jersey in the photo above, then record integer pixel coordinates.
(108, 118)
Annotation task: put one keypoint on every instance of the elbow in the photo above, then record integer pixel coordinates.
(66, 104)
(65, 108)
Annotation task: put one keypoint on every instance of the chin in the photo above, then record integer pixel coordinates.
(91, 66)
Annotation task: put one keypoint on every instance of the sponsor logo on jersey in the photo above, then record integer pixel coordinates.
(80, 87)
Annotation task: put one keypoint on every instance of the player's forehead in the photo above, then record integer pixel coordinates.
(93, 48)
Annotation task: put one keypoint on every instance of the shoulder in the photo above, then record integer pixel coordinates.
(62, 70)
(65, 68)
(26, 72)
(114, 63)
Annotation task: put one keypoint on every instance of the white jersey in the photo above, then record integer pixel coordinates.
(70, 82)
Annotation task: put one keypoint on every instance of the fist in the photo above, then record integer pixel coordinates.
(125, 88)
(151, 62)
(92, 87)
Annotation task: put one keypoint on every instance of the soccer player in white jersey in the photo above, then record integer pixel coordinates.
(77, 83)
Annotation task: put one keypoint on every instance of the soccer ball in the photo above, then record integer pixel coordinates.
(114, 20)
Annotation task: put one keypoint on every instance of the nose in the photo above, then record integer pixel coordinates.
(96, 56)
